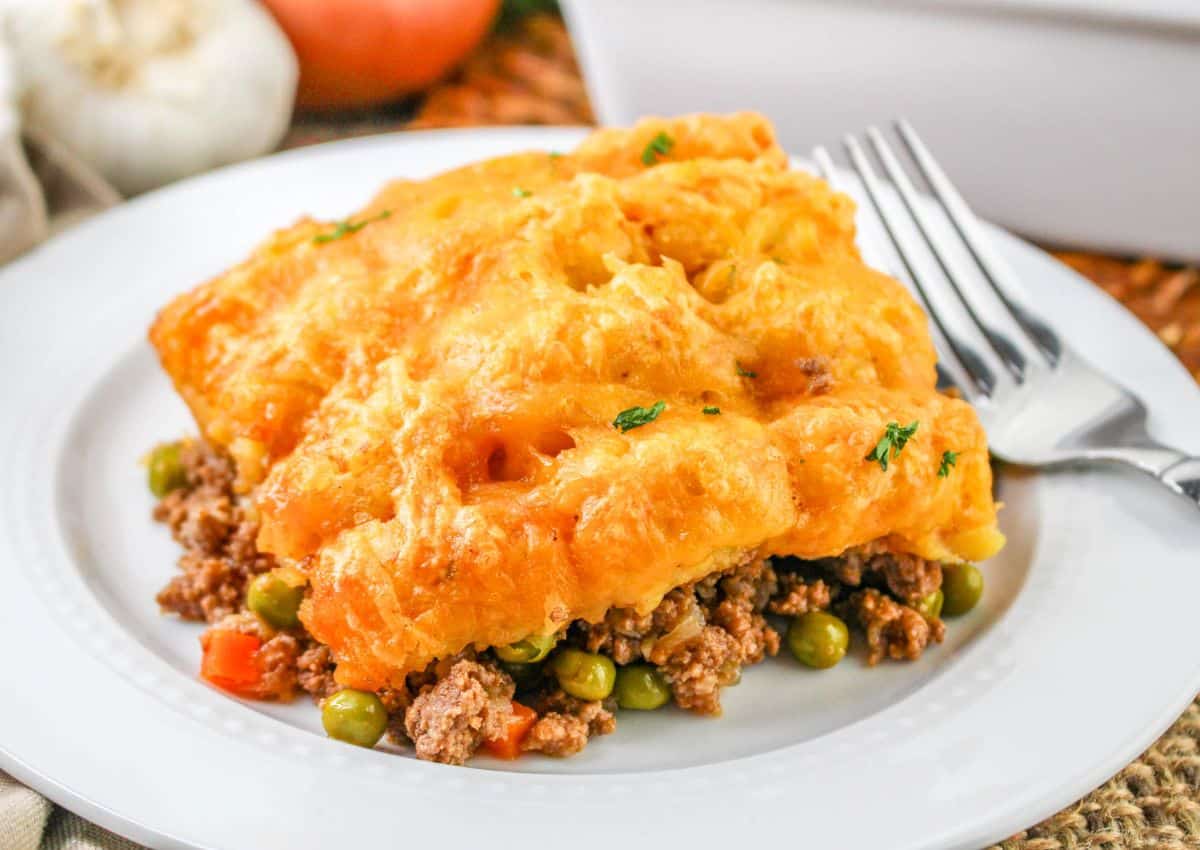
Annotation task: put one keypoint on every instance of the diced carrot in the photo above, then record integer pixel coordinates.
(508, 745)
(229, 660)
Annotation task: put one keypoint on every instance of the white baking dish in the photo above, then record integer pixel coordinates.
(1075, 122)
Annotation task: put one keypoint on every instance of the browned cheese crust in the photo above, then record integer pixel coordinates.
(423, 406)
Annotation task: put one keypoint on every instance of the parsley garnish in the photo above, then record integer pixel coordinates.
(894, 439)
(521, 192)
(658, 147)
(948, 460)
(745, 373)
(636, 417)
(345, 228)
(555, 154)
(712, 411)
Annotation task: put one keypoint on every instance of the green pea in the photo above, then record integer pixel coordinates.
(528, 650)
(274, 599)
(585, 675)
(642, 687)
(165, 470)
(963, 585)
(818, 639)
(356, 717)
(525, 676)
(930, 607)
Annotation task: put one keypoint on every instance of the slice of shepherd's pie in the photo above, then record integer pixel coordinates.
(619, 406)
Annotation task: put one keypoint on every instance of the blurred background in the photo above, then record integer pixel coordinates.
(1072, 122)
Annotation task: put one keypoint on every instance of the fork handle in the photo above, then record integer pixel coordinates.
(1178, 471)
(1183, 477)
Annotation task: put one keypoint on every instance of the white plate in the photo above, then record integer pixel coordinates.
(101, 710)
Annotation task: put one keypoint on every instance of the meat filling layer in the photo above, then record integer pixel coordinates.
(699, 637)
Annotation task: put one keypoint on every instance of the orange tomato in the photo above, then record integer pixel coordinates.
(363, 52)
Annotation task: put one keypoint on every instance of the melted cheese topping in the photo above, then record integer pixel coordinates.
(425, 405)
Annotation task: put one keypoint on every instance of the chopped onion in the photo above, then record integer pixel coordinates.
(688, 628)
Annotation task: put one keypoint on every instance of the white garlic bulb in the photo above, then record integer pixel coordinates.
(148, 91)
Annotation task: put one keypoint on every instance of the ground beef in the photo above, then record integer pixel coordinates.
(851, 566)
(626, 636)
(396, 702)
(245, 622)
(556, 734)
(798, 595)
(752, 583)
(218, 537)
(722, 625)
(755, 637)
(736, 603)
(201, 513)
(276, 659)
(908, 577)
(207, 589)
(565, 724)
(893, 630)
(700, 668)
(449, 720)
(314, 671)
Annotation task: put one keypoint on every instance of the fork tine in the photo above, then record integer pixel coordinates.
(1013, 359)
(998, 276)
(969, 360)
(825, 165)
(872, 245)
(950, 372)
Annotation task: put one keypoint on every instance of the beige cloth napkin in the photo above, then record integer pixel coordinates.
(28, 821)
(44, 188)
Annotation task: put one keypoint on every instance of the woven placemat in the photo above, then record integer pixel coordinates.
(528, 75)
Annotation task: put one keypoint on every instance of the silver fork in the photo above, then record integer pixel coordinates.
(1040, 402)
